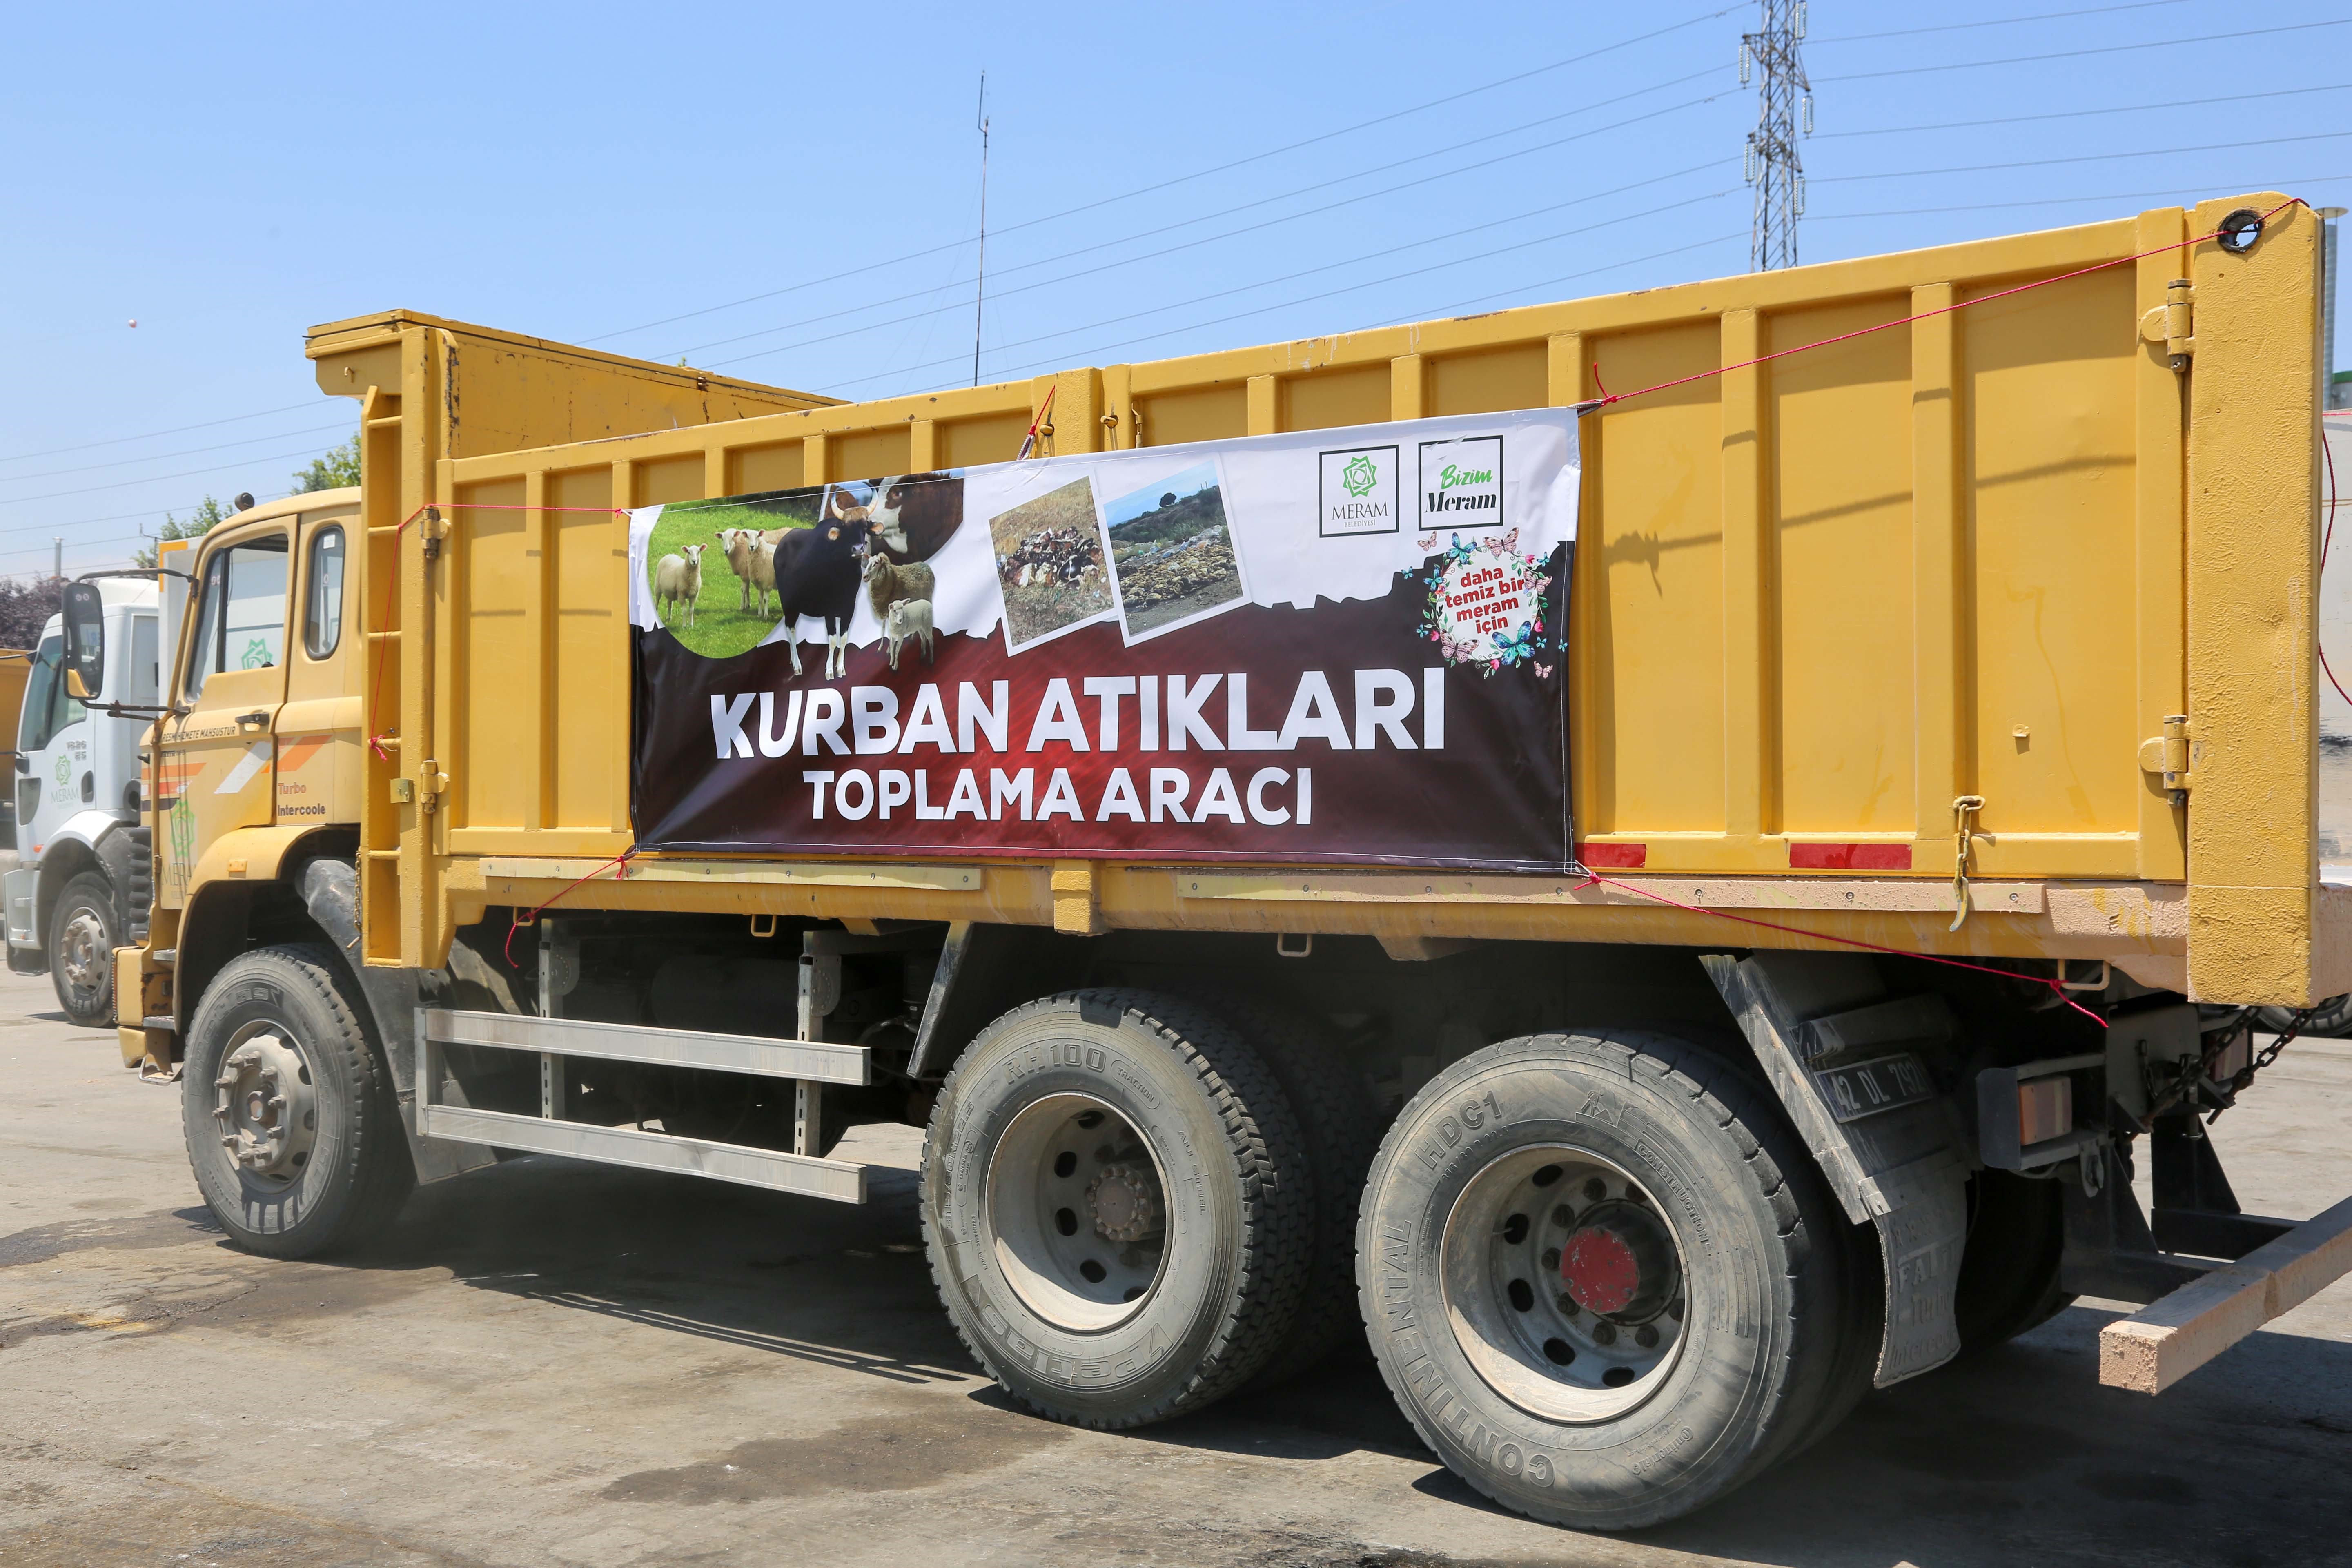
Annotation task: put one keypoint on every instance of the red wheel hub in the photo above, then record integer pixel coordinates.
(1599, 1270)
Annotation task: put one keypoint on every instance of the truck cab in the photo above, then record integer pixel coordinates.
(81, 886)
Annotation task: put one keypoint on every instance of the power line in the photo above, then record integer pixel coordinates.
(186, 452)
(2085, 113)
(158, 478)
(1248, 228)
(154, 435)
(1998, 22)
(1227, 212)
(2088, 158)
(1349, 261)
(2050, 201)
(1183, 179)
(2079, 53)
(1547, 283)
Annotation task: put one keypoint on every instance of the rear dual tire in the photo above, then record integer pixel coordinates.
(1118, 1206)
(1603, 1281)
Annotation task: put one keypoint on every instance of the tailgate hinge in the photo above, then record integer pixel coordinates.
(2167, 756)
(2173, 323)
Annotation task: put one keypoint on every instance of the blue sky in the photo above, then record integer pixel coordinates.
(1191, 481)
(797, 186)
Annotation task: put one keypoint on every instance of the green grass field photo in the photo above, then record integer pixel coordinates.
(722, 626)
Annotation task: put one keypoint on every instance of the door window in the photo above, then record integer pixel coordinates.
(242, 623)
(47, 706)
(323, 596)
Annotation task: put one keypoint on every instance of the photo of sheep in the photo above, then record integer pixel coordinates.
(1173, 552)
(1049, 562)
(726, 602)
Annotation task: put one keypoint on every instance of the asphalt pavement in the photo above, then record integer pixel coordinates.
(553, 1363)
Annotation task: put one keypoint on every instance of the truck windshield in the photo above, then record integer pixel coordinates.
(242, 623)
(48, 708)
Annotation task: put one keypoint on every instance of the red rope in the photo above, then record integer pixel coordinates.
(2056, 988)
(621, 861)
(1606, 398)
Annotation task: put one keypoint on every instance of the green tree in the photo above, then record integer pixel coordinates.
(331, 472)
(200, 523)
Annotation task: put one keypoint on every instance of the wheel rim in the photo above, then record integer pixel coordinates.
(1564, 1284)
(1078, 1211)
(83, 950)
(266, 1105)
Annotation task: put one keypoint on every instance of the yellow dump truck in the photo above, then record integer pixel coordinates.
(1665, 857)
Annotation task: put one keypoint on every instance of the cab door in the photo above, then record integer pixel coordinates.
(53, 753)
(216, 762)
(319, 760)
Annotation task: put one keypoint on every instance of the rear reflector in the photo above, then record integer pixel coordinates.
(1618, 856)
(2046, 1110)
(1850, 857)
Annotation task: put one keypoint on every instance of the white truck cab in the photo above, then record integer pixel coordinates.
(81, 885)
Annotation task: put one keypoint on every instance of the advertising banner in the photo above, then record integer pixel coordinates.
(1342, 646)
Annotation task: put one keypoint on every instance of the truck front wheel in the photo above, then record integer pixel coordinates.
(1118, 1206)
(292, 1124)
(81, 950)
(1599, 1275)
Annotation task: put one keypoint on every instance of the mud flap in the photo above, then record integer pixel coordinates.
(1831, 1041)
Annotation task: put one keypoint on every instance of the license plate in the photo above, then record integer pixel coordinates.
(1883, 1083)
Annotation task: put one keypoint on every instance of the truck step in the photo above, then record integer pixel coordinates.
(809, 1063)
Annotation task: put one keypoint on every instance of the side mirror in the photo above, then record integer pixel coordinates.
(85, 662)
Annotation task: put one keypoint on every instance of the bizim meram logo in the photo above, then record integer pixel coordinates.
(1462, 482)
(1358, 493)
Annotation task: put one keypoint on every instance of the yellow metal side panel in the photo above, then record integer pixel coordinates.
(489, 555)
(1651, 640)
(590, 568)
(1841, 482)
(662, 479)
(2253, 508)
(968, 443)
(1513, 377)
(871, 454)
(2049, 460)
(1357, 395)
(753, 469)
(1199, 414)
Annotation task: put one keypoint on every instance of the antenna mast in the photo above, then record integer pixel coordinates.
(980, 293)
(1784, 109)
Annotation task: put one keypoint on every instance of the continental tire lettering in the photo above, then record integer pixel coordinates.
(1539, 1470)
(1474, 1112)
(1509, 1459)
(1681, 1199)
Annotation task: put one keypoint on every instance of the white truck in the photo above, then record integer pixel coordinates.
(84, 877)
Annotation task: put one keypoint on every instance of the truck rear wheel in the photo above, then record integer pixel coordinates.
(2009, 1271)
(292, 1124)
(82, 939)
(1117, 1208)
(1599, 1278)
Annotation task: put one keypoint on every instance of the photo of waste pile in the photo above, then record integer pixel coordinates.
(1173, 552)
(1049, 561)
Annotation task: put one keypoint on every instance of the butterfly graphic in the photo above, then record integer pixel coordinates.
(1543, 672)
(1427, 542)
(1510, 542)
(1515, 646)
